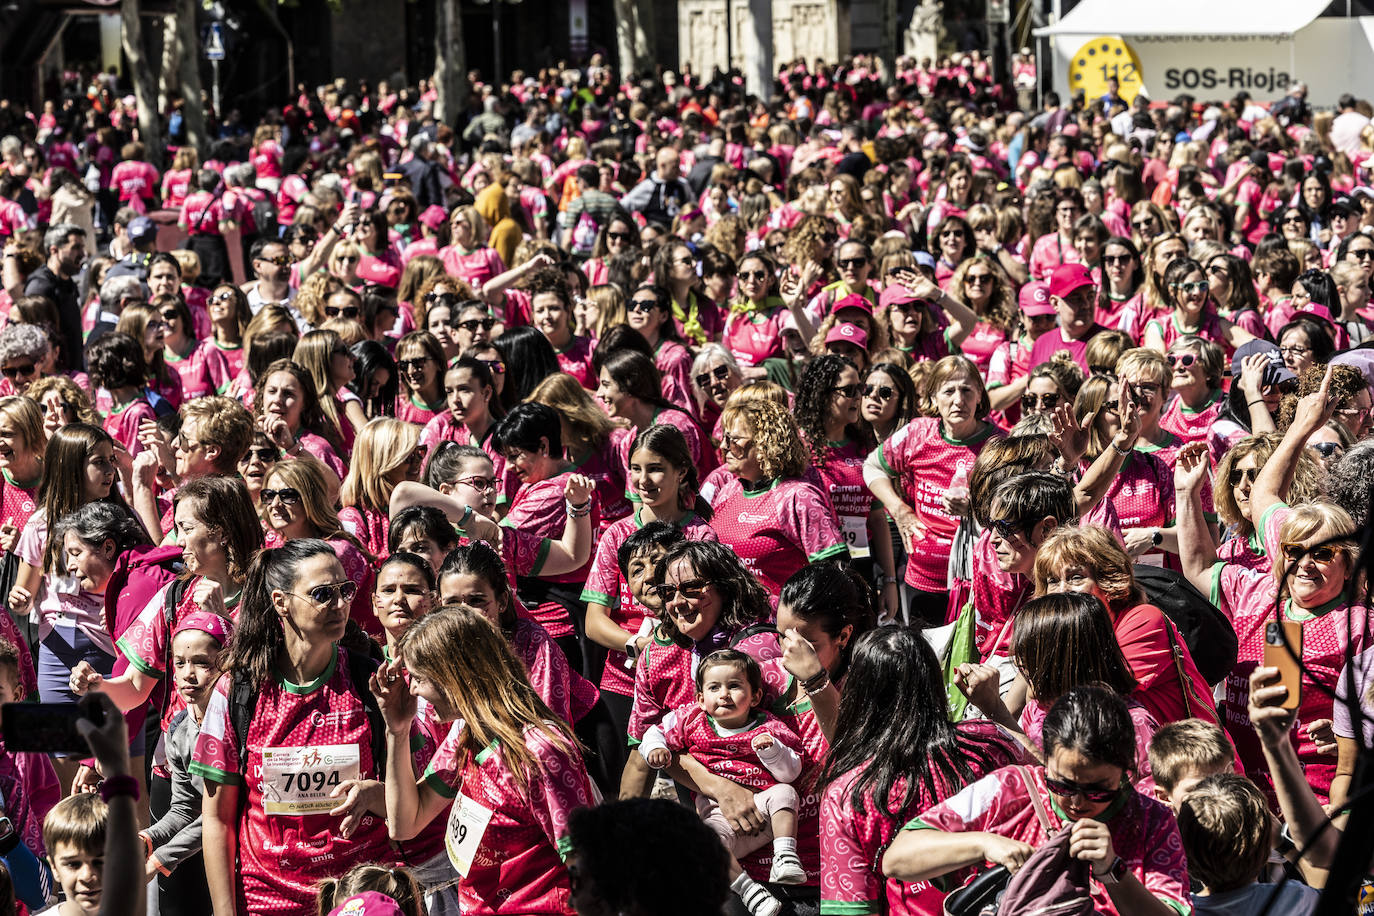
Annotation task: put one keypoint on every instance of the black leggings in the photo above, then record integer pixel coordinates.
(185, 892)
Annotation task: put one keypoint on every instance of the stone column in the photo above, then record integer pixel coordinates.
(756, 35)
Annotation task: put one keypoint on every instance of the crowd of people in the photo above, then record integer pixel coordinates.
(636, 497)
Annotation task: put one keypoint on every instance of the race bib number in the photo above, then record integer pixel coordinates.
(467, 822)
(855, 529)
(297, 780)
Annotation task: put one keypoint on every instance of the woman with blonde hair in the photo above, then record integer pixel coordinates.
(790, 522)
(387, 451)
(603, 307)
(296, 502)
(326, 357)
(587, 441)
(343, 262)
(62, 401)
(1314, 577)
(314, 291)
(514, 758)
(467, 256)
(1234, 486)
(979, 283)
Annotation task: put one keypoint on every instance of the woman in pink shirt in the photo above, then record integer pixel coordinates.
(467, 257)
(510, 763)
(386, 454)
(1187, 295)
(420, 365)
(980, 284)
(288, 411)
(619, 234)
(1057, 247)
(1121, 279)
(894, 754)
(650, 312)
(199, 364)
(176, 183)
(229, 316)
(1195, 396)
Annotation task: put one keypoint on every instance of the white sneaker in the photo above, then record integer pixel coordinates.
(787, 869)
(761, 903)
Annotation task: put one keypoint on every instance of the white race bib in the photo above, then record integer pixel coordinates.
(467, 822)
(855, 535)
(298, 780)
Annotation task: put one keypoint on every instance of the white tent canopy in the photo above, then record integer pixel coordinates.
(1187, 17)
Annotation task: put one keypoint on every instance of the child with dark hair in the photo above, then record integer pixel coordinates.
(733, 738)
(117, 365)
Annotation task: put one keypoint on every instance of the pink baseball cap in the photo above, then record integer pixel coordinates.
(433, 216)
(1069, 277)
(1034, 299)
(895, 294)
(368, 903)
(852, 301)
(219, 629)
(848, 333)
(375, 270)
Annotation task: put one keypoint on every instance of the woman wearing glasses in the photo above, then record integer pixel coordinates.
(1128, 840)
(343, 262)
(467, 256)
(1186, 294)
(294, 503)
(980, 284)
(827, 412)
(619, 234)
(1196, 398)
(229, 317)
(1049, 385)
(650, 312)
(1313, 551)
(698, 318)
(200, 364)
(1304, 343)
(1358, 249)
(1233, 291)
(1057, 247)
(307, 694)
(1147, 221)
(1122, 276)
(144, 322)
(1234, 486)
(951, 243)
(756, 322)
(715, 376)
(420, 365)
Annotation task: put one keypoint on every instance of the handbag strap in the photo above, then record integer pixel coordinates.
(1184, 684)
(1035, 798)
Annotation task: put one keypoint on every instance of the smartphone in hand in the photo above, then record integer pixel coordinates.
(1279, 639)
(48, 728)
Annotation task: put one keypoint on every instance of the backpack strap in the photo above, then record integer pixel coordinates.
(752, 630)
(360, 670)
(1184, 684)
(175, 592)
(243, 701)
(1034, 793)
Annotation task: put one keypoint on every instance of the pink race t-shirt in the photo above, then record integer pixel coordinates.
(778, 529)
(1192, 425)
(517, 866)
(203, 371)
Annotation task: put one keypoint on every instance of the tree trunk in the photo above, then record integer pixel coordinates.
(145, 91)
(193, 109)
(167, 76)
(626, 27)
(646, 36)
(450, 64)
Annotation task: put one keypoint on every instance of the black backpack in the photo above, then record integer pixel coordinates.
(243, 701)
(1210, 638)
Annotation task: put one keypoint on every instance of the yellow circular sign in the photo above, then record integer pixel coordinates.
(1100, 60)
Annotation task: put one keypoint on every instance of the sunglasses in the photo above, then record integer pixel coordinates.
(1039, 401)
(852, 263)
(448, 299)
(1327, 449)
(1066, 789)
(848, 391)
(619, 236)
(1144, 223)
(691, 590)
(1176, 360)
(221, 297)
(1324, 553)
(495, 365)
(348, 311)
(1199, 286)
(68, 409)
(1116, 259)
(170, 315)
(346, 259)
(472, 324)
(1294, 350)
(265, 455)
(641, 305)
(282, 260)
(1246, 475)
(418, 363)
(746, 275)
(287, 494)
(1006, 529)
(980, 279)
(719, 374)
(881, 392)
(1364, 254)
(17, 371)
(1293, 219)
(480, 484)
(324, 595)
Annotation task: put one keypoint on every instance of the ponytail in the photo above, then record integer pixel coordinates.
(259, 637)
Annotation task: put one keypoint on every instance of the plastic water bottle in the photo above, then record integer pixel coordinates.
(958, 484)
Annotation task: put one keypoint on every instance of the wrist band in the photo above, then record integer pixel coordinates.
(114, 786)
(1256, 401)
(578, 511)
(1123, 452)
(467, 517)
(817, 682)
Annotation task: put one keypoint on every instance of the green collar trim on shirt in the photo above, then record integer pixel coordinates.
(436, 407)
(486, 752)
(1212, 398)
(317, 683)
(1256, 542)
(659, 638)
(225, 346)
(1302, 615)
(971, 440)
(754, 722)
(682, 523)
(1169, 439)
(9, 479)
(1112, 810)
(837, 444)
(760, 489)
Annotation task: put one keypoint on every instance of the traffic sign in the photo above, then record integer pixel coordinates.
(214, 42)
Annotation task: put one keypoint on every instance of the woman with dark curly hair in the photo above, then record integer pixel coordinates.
(827, 412)
(775, 519)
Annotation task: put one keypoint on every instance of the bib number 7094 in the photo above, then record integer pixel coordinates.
(315, 781)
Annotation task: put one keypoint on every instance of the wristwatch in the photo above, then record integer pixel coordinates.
(1157, 538)
(1114, 874)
